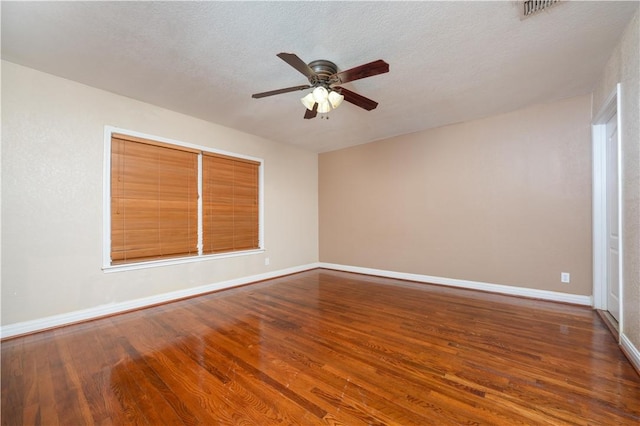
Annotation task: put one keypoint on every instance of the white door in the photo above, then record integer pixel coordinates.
(613, 237)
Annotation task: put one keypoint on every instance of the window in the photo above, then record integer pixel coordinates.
(177, 201)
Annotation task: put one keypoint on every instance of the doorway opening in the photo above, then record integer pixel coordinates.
(607, 208)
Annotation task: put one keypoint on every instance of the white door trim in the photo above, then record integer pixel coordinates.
(611, 106)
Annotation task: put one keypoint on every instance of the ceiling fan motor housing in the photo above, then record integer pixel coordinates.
(324, 70)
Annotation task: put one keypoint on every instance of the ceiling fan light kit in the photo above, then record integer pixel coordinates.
(322, 76)
(326, 99)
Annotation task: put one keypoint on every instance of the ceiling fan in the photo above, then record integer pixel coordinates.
(324, 77)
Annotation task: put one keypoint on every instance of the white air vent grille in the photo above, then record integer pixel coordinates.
(531, 7)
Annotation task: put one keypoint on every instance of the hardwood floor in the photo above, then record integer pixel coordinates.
(326, 347)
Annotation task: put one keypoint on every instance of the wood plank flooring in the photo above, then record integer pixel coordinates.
(326, 347)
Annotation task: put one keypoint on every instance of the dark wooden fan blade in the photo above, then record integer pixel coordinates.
(357, 100)
(363, 71)
(279, 91)
(311, 114)
(293, 60)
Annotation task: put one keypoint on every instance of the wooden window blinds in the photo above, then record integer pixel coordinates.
(154, 202)
(229, 204)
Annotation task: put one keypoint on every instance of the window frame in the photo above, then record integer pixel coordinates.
(107, 266)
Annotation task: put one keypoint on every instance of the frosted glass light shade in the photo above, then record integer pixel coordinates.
(308, 101)
(323, 107)
(320, 94)
(335, 99)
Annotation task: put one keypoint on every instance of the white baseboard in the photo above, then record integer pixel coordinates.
(555, 296)
(53, 321)
(633, 354)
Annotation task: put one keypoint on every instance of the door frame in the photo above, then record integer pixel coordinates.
(612, 105)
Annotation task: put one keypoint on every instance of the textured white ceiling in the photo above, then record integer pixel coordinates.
(450, 61)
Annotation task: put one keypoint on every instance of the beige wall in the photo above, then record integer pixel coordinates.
(52, 209)
(502, 200)
(624, 67)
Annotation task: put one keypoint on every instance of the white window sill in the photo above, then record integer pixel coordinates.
(177, 261)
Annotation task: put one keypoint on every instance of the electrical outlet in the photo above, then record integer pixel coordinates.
(266, 261)
(565, 277)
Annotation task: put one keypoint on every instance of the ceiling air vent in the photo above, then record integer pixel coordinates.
(531, 7)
